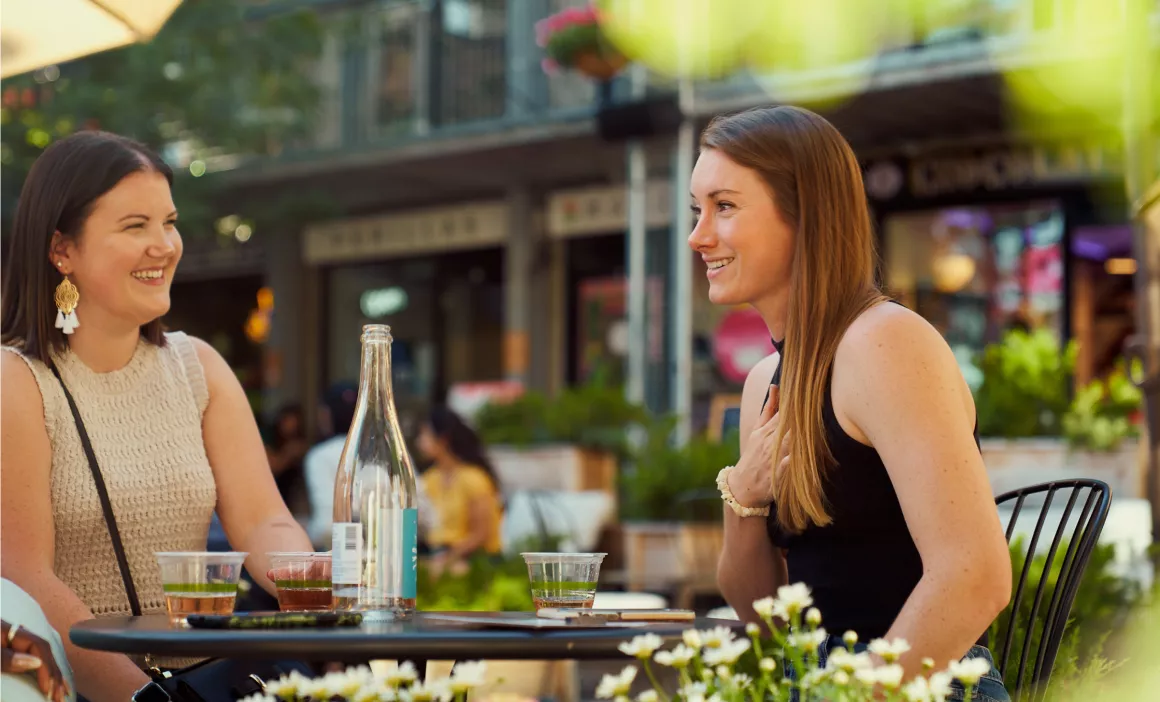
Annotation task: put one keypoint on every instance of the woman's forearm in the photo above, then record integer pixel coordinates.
(751, 567)
(278, 534)
(943, 617)
(100, 677)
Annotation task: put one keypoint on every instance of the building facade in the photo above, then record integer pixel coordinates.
(490, 217)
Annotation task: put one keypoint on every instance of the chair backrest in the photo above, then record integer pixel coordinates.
(1022, 629)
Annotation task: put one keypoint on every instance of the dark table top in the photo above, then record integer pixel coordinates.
(423, 638)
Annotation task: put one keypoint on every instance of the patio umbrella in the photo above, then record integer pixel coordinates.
(37, 33)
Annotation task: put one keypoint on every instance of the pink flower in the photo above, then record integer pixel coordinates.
(543, 33)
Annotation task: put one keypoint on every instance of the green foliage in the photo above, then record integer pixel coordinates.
(1025, 386)
(486, 587)
(595, 416)
(675, 483)
(1102, 602)
(1100, 416)
(211, 81)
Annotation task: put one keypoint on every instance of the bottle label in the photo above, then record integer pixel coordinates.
(410, 553)
(346, 553)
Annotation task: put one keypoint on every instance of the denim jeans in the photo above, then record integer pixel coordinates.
(989, 688)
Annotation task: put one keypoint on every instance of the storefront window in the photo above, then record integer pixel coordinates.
(975, 272)
(445, 314)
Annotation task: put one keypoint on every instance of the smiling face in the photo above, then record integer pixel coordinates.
(745, 242)
(123, 260)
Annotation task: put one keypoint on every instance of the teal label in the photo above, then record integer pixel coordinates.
(410, 553)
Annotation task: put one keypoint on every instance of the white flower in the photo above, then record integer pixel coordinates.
(767, 665)
(642, 647)
(889, 650)
(917, 690)
(928, 663)
(793, 599)
(347, 685)
(841, 659)
(970, 670)
(850, 638)
(287, 686)
(940, 686)
(813, 677)
(866, 676)
(467, 676)
(726, 654)
(808, 641)
(890, 676)
(716, 638)
(259, 697)
(616, 685)
(752, 629)
(841, 678)
(375, 692)
(648, 696)
(692, 638)
(694, 691)
(679, 657)
(722, 672)
(764, 607)
(813, 616)
(428, 691)
(742, 681)
(404, 673)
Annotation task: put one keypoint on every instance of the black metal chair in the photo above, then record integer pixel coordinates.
(1034, 671)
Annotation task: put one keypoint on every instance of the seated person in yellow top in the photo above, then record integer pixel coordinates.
(463, 491)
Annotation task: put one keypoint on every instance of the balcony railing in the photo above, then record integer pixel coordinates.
(396, 71)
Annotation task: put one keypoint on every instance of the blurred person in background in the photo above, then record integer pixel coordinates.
(321, 464)
(286, 447)
(94, 250)
(860, 472)
(464, 492)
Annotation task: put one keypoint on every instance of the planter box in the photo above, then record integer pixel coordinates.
(672, 555)
(1015, 463)
(558, 467)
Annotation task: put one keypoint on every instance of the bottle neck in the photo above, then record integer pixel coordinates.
(375, 376)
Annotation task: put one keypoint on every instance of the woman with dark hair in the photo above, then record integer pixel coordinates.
(286, 448)
(94, 250)
(860, 473)
(463, 489)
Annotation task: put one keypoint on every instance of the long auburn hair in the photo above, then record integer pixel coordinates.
(816, 183)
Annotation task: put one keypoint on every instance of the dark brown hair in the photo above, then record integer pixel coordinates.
(58, 195)
(816, 183)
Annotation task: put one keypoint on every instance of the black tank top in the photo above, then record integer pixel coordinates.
(863, 566)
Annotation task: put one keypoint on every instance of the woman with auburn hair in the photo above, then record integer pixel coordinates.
(860, 472)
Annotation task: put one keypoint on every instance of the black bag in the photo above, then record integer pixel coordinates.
(212, 680)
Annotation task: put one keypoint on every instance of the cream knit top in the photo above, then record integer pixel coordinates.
(144, 422)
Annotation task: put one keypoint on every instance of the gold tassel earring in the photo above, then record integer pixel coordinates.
(67, 298)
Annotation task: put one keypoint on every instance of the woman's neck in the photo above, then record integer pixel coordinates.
(101, 349)
(774, 310)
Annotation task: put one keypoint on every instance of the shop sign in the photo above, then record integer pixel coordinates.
(407, 233)
(603, 209)
(990, 170)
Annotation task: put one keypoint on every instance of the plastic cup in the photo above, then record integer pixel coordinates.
(302, 579)
(199, 582)
(563, 580)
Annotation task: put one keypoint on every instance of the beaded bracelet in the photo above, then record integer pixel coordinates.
(727, 495)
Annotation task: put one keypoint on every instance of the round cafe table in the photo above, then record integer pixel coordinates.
(428, 636)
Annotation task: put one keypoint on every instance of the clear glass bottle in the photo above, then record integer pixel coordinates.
(375, 539)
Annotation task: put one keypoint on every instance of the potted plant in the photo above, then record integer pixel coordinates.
(671, 512)
(1035, 432)
(573, 38)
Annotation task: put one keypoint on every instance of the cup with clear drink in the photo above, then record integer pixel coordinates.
(563, 580)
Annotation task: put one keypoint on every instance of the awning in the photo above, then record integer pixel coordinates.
(38, 33)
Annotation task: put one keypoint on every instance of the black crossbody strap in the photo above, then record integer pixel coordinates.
(103, 493)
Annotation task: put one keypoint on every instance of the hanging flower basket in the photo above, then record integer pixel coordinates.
(574, 39)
